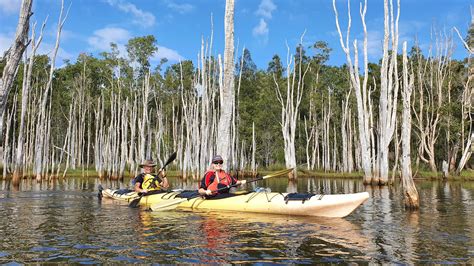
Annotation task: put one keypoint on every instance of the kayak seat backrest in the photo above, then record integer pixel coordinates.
(187, 194)
(122, 191)
(298, 196)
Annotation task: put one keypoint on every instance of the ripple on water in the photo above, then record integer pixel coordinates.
(126, 259)
(43, 249)
(85, 246)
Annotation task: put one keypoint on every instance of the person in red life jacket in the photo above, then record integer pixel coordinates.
(146, 181)
(216, 178)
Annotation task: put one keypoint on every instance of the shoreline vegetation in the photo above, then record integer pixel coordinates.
(465, 175)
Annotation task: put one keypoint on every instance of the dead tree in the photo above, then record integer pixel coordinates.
(467, 100)
(389, 86)
(13, 57)
(346, 136)
(227, 94)
(43, 125)
(410, 192)
(364, 114)
(26, 86)
(290, 102)
(430, 91)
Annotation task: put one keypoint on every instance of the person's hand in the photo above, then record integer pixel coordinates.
(208, 192)
(144, 191)
(163, 174)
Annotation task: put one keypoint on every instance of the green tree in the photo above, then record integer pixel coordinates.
(140, 49)
(247, 95)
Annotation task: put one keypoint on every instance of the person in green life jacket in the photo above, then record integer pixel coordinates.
(216, 178)
(146, 181)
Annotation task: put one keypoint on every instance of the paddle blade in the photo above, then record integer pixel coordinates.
(167, 205)
(134, 203)
(278, 173)
(170, 159)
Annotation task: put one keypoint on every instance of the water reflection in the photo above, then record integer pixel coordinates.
(63, 221)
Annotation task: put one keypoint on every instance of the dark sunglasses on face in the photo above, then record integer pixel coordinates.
(218, 162)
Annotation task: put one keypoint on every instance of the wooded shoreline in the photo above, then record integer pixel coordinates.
(466, 175)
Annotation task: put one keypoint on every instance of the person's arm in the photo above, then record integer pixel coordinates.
(203, 186)
(138, 185)
(235, 181)
(164, 181)
(138, 189)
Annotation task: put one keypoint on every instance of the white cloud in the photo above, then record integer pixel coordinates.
(266, 8)
(180, 8)
(261, 29)
(264, 11)
(10, 6)
(170, 54)
(143, 18)
(102, 38)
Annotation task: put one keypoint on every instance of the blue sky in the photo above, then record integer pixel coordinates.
(264, 27)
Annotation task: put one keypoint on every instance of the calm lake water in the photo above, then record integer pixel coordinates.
(62, 221)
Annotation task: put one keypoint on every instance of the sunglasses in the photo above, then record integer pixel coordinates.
(218, 162)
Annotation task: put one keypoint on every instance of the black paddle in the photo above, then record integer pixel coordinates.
(172, 204)
(134, 203)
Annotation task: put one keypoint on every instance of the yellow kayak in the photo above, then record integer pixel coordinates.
(126, 196)
(335, 205)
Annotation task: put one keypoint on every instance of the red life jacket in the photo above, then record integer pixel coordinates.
(221, 178)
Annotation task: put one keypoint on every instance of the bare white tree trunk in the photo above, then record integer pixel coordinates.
(253, 166)
(290, 103)
(42, 136)
(388, 92)
(143, 125)
(346, 135)
(432, 76)
(28, 70)
(467, 101)
(13, 57)
(133, 132)
(410, 192)
(360, 90)
(227, 90)
(309, 132)
(99, 143)
(327, 113)
(8, 144)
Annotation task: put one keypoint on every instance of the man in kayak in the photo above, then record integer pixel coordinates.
(216, 178)
(146, 181)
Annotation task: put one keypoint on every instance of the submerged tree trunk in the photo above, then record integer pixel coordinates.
(410, 192)
(227, 94)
